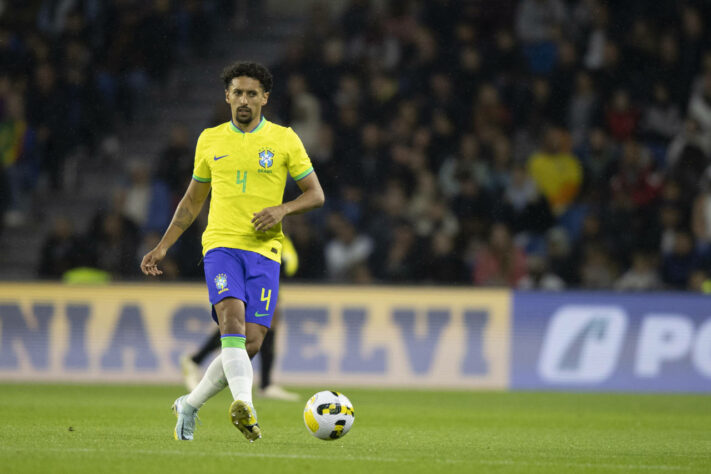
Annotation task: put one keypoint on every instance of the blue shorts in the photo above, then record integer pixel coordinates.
(247, 276)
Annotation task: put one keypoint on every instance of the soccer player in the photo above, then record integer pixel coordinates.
(190, 364)
(245, 162)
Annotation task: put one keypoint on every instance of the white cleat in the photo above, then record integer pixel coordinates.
(186, 415)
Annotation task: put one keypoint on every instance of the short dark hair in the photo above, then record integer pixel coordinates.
(253, 70)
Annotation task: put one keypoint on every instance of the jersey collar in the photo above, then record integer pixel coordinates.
(259, 126)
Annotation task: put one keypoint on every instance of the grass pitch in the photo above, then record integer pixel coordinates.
(96, 429)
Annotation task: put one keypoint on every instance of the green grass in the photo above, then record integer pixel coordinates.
(95, 429)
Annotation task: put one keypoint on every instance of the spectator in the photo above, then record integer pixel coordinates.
(17, 160)
(641, 276)
(598, 156)
(662, 118)
(402, 262)
(46, 111)
(524, 208)
(701, 214)
(690, 147)
(621, 116)
(501, 163)
(538, 277)
(473, 206)
(678, 264)
(62, 250)
(465, 161)
(113, 241)
(699, 281)
(489, 111)
(305, 112)
(584, 108)
(500, 262)
(593, 15)
(635, 180)
(557, 172)
(597, 271)
(346, 250)
(561, 259)
(309, 246)
(670, 223)
(135, 197)
(693, 41)
(175, 162)
(145, 201)
(539, 24)
(442, 264)
(700, 105)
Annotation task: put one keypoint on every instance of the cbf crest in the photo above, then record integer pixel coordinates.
(266, 157)
(221, 283)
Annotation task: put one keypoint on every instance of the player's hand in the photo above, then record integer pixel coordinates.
(149, 264)
(268, 218)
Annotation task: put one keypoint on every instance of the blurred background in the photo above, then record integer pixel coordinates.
(539, 144)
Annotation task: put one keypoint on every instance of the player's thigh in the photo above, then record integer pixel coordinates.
(262, 289)
(230, 316)
(255, 337)
(225, 279)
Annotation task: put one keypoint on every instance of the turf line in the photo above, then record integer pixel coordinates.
(491, 462)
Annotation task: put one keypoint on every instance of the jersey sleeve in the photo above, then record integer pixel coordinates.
(299, 163)
(201, 169)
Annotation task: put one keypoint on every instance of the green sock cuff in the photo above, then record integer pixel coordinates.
(234, 341)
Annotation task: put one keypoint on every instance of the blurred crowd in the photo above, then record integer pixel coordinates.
(71, 71)
(537, 144)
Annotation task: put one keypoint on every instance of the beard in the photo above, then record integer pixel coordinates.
(243, 119)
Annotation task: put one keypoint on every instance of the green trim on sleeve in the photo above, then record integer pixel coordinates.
(304, 174)
(201, 180)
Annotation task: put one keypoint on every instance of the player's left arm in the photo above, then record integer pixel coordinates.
(311, 197)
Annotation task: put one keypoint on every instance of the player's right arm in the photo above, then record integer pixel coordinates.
(186, 212)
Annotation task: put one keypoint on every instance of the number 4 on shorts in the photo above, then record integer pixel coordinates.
(267, 298)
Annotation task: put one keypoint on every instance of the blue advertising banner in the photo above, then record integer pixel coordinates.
(608, 341)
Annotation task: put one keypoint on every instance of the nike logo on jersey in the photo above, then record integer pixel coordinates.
(220, 157)
(259, 315)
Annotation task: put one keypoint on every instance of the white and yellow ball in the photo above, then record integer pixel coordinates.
(329, 415)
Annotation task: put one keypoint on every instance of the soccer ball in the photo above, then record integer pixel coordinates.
(329, 415)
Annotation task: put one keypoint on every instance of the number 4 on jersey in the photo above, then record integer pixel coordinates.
(242, 179)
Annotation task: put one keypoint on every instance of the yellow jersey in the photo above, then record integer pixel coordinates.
(247, 172)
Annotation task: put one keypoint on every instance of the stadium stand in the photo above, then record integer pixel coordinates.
(542, 144)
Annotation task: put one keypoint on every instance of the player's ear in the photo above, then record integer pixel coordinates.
(227, 96)
(265, 98)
